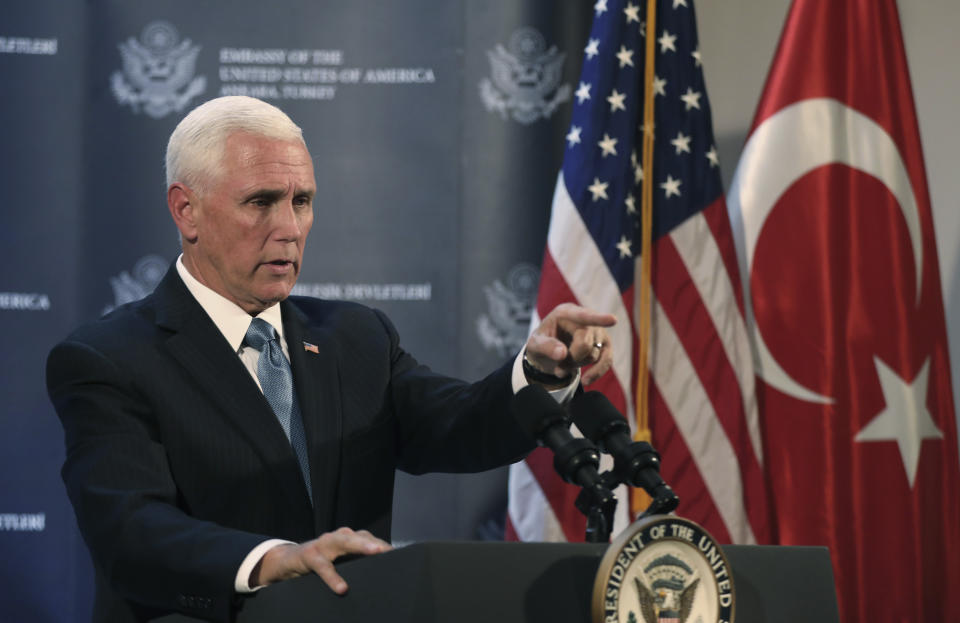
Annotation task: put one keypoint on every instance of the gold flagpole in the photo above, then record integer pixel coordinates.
(639, 500)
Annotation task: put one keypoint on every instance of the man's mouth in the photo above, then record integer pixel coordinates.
(280, 266)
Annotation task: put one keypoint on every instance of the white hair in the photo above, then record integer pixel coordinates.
(195, 148)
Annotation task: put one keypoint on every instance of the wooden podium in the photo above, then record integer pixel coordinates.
(466, 582)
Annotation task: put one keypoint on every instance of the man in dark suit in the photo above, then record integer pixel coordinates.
(222, 436)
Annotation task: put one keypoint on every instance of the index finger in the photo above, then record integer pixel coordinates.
(584, 317)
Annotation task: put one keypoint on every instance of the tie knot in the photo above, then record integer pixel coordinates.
(259, 333)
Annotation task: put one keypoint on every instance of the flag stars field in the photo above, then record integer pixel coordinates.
(697, 60)
(616, 100)
(625, 57)
(691, 98)
(659, 86)
(598, 189)
(712, 157)
(632, 12)
(681, 143)
(592, 49)
(624, 248)
(573, 136)
(637, 169)
(583, 93)
(667, 42)
(671, 187)
(608, 145)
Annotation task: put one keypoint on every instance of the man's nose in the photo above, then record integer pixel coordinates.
(288, 221)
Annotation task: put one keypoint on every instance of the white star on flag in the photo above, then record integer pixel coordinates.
(697, 60)
(583, 93)
(592, 49)
(625, 57)
(659, 85)
(691, 98)
(608, 145)
(712, 157)
(598, 189)
(573, 136)
(624, 247)
(905, 419)
(671, 187)
(677, 3)
(616, 101)
(667, 42)
(600, 6)
(681, 143)
(637, 169)
(632, 12)
(631, 204)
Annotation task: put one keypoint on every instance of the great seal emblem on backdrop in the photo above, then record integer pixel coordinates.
(525, 78)
(158, 71)
(663, 569)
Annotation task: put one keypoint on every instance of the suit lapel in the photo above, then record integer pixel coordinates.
(316, 379)
(201, 349)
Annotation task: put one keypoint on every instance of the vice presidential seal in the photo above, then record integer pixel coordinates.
(526, 78)
(663, 569)
(157, 71)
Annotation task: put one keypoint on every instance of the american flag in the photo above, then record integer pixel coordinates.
(702, 408)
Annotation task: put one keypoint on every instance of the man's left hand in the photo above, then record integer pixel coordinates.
(570, 337)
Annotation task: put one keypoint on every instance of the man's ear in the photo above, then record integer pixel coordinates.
(182, 204)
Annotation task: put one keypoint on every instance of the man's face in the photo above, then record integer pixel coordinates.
(251, 222)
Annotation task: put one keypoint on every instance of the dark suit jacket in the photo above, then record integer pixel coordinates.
(177, 467)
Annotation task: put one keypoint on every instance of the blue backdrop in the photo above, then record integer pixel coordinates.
(437, 132)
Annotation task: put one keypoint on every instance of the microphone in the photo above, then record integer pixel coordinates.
(575, 459)
(635, 463)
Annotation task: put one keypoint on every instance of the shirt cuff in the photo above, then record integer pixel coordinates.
(242, 582)
(562, 395)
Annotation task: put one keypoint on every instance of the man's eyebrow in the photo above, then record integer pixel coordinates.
(268, 194)
(273, 195)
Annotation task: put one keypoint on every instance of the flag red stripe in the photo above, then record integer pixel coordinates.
(680, 470)
(681, 301)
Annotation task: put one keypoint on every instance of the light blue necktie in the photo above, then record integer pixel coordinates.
(276, 379)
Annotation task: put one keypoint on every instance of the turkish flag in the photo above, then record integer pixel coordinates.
(835, 239)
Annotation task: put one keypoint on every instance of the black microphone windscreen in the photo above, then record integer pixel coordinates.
(536, 410)
(596, 417)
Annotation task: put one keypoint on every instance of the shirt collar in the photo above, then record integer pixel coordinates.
(229, 317)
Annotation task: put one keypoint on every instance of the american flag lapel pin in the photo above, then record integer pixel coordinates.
(311, 348)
